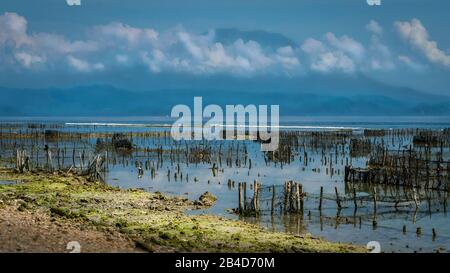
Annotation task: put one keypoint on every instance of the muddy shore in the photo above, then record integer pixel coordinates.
(42, 212)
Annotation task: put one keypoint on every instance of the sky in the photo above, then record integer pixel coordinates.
(48, 43)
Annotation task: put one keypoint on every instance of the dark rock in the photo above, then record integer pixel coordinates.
(207, 199)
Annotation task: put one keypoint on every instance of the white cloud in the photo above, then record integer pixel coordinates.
(82, 65)
(117, 46)
(346, 45)
(332, 56)
(285, 51)
(155, 60)
(55, 44)
(410, 63)
(121, 34)
(252, 52)
(336, 60)
(286, 56)
(195, 50)
(312, 46)
(217, 56)
(37, 48)
(28, 60)
(374, 27)
(345, 54)
(417, 35)
(379, 55)
(13, 30)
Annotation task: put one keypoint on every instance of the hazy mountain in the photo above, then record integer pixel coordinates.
(313, 95)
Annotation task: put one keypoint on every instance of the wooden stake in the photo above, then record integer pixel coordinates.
(338, 201)
(240, 197)
(320, 200)
(273, 200)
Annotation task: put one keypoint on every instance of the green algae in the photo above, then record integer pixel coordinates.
(154, 221)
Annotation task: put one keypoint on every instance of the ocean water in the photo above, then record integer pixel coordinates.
(301, 121)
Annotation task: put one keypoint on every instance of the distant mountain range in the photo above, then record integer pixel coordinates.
(311, 95)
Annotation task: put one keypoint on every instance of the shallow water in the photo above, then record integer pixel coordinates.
(7, 182)
(388, 231)
(345, 228)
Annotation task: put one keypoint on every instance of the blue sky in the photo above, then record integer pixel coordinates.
(48, 43)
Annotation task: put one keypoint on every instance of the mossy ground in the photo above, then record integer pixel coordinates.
(155, 222)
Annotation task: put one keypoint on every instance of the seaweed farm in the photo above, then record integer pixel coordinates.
(348, 184)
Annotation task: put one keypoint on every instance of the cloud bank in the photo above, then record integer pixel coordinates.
(417, 35)
(117, 46)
